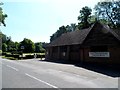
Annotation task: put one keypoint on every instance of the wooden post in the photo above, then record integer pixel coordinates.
(51, 53)
(68, 52)
(58, 52)
(81, 55)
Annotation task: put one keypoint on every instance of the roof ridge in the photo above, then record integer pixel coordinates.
(111, 31)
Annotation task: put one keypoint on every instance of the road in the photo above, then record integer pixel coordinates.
(40, 74)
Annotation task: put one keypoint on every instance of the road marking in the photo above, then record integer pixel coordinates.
(41, 80)
(12, 68)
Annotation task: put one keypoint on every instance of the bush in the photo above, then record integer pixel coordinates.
(15, 56)
(10, 55)
(40, 56)
(4, 53)
(29, 56)
(0, 51)
(42, 50)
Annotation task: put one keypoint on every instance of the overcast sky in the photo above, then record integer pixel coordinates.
(39, 19)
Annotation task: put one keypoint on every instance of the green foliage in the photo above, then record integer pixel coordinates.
(84, 16)
(4, 47)
(29, 46)
(39, 48)
(58, 33)
(71, 27)
(2, 16)
(10, 45)
(4, 37)
(15, 47)
(63, 29)
(84, 23)
(0, 52)
(109, 11)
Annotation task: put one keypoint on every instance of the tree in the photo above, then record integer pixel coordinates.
(4, 47)
(3, 37)
(6, 40)
(39, 48)
(58, 33)
(109, 11)
(84, 16)
(29, 46)
(71, 27)
(10, 45)
(2, 16)
(16, 46)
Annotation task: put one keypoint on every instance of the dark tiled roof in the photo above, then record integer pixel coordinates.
(78, 36)
(118, 33)
(70, 38)
(115, 32)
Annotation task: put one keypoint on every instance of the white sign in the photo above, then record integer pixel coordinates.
(99, 54)
(22, 47)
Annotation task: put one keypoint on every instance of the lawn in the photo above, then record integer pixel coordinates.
(10, 56)
(0, 51)
(33, 53)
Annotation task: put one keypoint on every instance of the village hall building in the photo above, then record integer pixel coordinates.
(98, 44)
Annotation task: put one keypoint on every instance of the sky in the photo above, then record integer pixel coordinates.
(39, 19)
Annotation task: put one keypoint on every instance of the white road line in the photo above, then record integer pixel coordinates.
(12, 68)
(41, 80)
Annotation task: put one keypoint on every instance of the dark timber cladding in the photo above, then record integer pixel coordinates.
(98, 44)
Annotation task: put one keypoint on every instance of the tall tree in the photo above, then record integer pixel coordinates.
(39, 48)
(109, 11)
(58, 33)
(84, 16)
(10, 45)
(29, 46)
(4, 47)
(71, 27)
(2, 16)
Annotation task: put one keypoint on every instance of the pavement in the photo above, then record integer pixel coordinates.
(35, 73)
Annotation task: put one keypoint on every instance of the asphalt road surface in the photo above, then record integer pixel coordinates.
(40, 74)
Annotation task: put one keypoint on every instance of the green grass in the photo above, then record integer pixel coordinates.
(10, 58)
(33, 53)
(24, 55)
(0, 52)
(42, 53)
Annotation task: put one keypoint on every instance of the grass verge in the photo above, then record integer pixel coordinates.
(10, 58)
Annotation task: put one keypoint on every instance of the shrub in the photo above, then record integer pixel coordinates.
(10, 55)
(3, 53)
(29, 56)
(15, 56)
(40, 56)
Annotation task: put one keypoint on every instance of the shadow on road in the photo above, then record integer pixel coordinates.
(113, 71)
